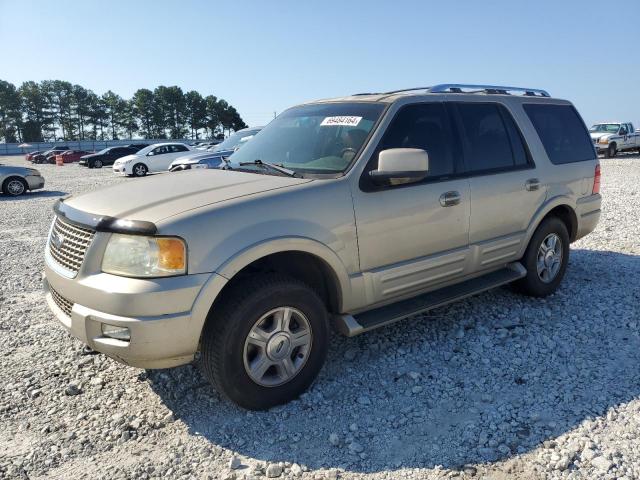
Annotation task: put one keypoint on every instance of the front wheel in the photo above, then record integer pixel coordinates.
(266, 342)
(545, 259)
(14, 186)
(140, 170)
(97, 164)
(611, 151)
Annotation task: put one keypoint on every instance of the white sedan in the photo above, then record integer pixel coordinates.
(154, 158)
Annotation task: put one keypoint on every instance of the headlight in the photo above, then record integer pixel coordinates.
(140, 256)
(128, 161)
(34, 172)
(603, 140)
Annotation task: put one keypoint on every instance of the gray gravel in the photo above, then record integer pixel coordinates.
(497, 386)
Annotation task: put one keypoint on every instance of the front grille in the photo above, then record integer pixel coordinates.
(62, 303)
(68, 244)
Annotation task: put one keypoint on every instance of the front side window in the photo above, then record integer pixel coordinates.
(562, 132)
(424, 126)
(487, 142)
(161, 150)
(320, 138)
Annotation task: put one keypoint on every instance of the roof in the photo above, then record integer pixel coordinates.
(451, 89)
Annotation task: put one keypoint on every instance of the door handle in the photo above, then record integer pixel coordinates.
(449, 199)
(532, 184)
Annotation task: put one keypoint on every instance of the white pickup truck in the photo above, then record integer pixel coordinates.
(613, 137)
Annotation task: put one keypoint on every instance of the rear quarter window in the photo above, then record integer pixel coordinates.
(562, 132)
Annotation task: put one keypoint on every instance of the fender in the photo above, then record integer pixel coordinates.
(269, 246)
(545, 208)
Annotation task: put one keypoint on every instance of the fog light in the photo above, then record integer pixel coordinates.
(117, 332)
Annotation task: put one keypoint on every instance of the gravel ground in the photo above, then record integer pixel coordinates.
(497, 386)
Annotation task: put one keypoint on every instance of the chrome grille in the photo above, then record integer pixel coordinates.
(68, 244)
(62, 303)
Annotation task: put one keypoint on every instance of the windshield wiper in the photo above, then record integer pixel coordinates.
(272, 166)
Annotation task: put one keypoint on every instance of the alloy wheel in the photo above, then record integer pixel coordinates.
(277, 346)
(15, 187)
(549, 258)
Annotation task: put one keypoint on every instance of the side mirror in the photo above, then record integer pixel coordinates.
(623, 131)
(398, 166)
(150, 154)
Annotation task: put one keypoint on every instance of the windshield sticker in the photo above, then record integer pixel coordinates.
(341, 120)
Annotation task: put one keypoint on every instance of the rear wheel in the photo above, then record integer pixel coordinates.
(140, 170)
(611, 151)
(266, 342)
(545, 259)
(14, 186)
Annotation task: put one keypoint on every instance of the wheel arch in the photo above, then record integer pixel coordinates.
(7, 179)
(305, 259)
(561, 207)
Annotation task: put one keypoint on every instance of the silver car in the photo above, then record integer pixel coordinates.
(356, 211)
(17, 180)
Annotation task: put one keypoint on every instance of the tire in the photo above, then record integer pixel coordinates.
(139, 170)
(611, 151)
(14, 186)
(228, 351)
(97, 164)
(90, 164)
(535, 283)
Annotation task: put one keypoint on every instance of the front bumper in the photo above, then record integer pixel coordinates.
(35, 182)
(120, 169)
(161, 315)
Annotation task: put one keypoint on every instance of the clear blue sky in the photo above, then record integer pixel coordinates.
(263, 56)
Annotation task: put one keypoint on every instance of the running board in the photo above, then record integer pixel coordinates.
(351, 325)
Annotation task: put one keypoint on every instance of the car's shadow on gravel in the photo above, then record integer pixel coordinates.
(477, 381)
(32, 195)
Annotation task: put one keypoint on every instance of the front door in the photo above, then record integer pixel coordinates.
(414, 237)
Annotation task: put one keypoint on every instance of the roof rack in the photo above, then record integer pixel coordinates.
(468, 88)
(491, 89)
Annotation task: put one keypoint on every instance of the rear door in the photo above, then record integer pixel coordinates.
(505, 189)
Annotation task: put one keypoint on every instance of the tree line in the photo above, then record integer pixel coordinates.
(58, 110)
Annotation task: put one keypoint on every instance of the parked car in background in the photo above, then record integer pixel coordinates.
(613, 137)
(358, 211)
(214, 157)
(29, 156)
(45, 157)
(105, 157)
(154, 158)
(15, 181)
(70, 156)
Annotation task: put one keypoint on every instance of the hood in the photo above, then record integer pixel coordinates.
(597, 135)
(160, 196)
(126, 157)
(90, 155)
(10, 169)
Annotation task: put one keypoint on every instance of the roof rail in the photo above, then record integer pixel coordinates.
(494, 89)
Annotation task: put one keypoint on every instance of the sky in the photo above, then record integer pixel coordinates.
(264, 56)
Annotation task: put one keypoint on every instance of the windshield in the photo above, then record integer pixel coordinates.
(235, 140)
(318, 138)
(145, 150)
(605, 127)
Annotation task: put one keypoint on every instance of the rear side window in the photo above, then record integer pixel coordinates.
(562, 133)
(491, 139)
